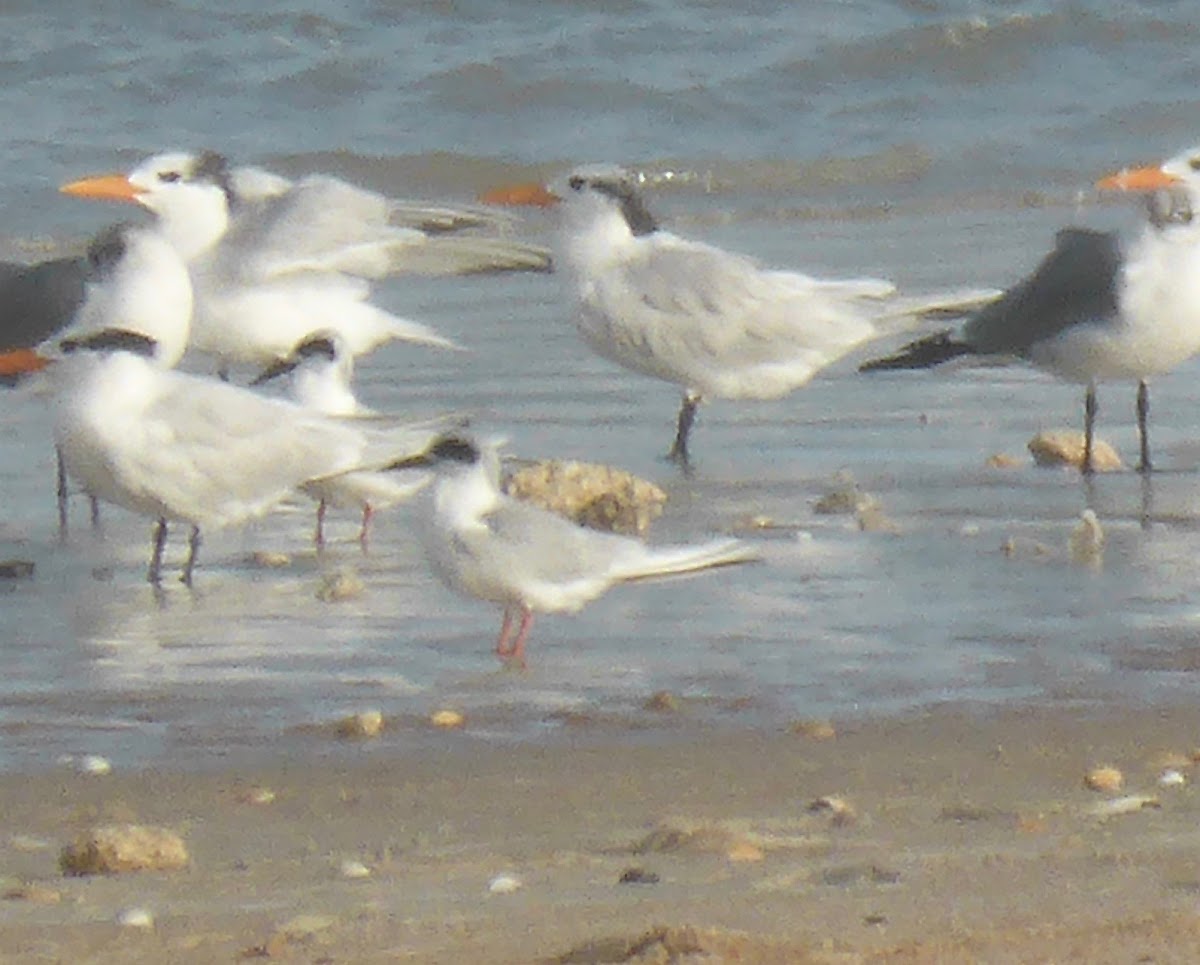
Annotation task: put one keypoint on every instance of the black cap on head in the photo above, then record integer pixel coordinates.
(620, 188)
(111, 340)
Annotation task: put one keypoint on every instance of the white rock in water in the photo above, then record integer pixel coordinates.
(504, 884)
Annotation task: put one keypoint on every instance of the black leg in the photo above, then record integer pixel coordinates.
(687, 416)
(193, 548)
(156, 554)
(95, 503)
(1090, 408)
(1143, 417)
(62, 496)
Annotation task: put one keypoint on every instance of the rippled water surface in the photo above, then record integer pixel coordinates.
(936, 144)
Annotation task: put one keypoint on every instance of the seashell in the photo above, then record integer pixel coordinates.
(841, 812)
(1127, 804)
(135, 918)
(269, 559)
(504, 884)
(257, 795)
(353, 869)
(340, 585)
(1171, 778)
(1105, 778)
(1086, 545)
(93, 764)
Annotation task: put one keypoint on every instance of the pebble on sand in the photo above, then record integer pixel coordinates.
(111, 849)
(135, 918)
(1104, 778)
(364, 724)
(270, 559)
(661, 702)
(353, 869)
(669, 838)
(817, 730)
(1064, 447)
(841, 812)
(504, 884)
(340, 585)
(1086, 545)
(600, 497)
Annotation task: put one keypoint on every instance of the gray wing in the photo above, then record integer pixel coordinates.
(1075, 283)
(38, 300)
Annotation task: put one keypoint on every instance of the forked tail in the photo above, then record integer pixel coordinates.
(657, 562)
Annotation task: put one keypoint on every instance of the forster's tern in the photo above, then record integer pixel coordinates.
(270, 269)
(320, 372)
(486, 544)
(712, 322)
(174, 446)
(1093, 311)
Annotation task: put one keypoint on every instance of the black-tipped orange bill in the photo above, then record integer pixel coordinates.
(520, 195)
(1137, 179)
(106, 187)
(21, 361)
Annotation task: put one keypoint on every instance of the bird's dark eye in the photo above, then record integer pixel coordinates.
(170, 177)
(1194, 163)
(576, 183)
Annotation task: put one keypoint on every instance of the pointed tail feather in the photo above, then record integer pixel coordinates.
(657, 562)
(924, 353)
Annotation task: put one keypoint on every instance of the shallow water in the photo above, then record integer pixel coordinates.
(882, 138)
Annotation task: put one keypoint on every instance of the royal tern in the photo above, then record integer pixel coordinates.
(180, 447)
(133, 279)
(485, 544)
(270, 269)
(713, 322)
(320, 372)
(1095, 310)
(35, 302)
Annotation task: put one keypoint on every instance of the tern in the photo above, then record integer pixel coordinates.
(1095, 310)
(486, 544)
(273, 261)
(320, 373)
(713, 322)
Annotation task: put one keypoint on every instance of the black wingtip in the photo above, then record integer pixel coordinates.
(924, 353)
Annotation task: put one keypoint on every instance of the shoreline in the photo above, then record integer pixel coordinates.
(945, 836)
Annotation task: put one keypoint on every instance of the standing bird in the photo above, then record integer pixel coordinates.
(320, 372)
(273, 261)
(713, 322)
(35, 302)
(486, 544)
(1095, 310)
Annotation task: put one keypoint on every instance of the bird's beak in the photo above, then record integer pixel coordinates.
(20, 362)
(520, 195)
(1138, 179)
(273, 371)
(106, 187)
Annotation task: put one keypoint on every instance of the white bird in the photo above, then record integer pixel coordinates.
(712, 322)
(133, 279)
(1094, 310)
(320, 372)
(485, 544)
(272, 261)
(180, 447)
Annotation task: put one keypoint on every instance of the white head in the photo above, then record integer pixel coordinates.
(1172, 188)
(602, 211)
(192, 195)
(137, 284)
(320, 370)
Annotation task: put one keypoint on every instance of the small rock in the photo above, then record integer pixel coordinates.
(135, 918)
(257, 796)
(16, 569)
(111, 849)
(366, 723)
(1128, 804)
(1002, 460)
(744, 851)
(270, 559)
(504, 884)
(638, 876)
(1171, 778)
(1064, 447)
(1086, 545)
(447, 719)
(35, 894)
(93, 764)
(844, 498)
(599, 497)
(662, 702)
(1107, 779)
(817, 730)
(872, 519)
(841, 812)
(340, 585)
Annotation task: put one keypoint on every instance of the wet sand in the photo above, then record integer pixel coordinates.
(946, 837)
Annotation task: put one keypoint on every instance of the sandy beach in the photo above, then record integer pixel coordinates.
(947, 837)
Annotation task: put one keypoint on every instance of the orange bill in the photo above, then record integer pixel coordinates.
(524, 195)
(20, 361)
(106, 187)
(1137, 179)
